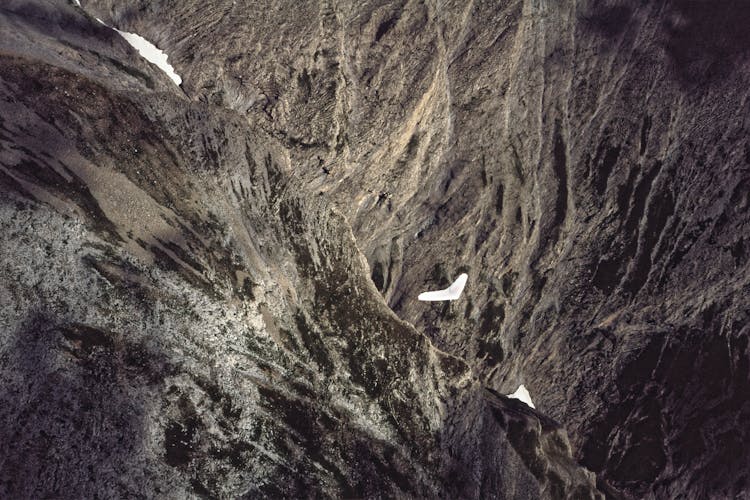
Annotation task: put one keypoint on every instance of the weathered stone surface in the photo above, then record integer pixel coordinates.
(182, 315)
(586, 163)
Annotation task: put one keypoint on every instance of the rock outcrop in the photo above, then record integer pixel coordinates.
(210, 289)
(183, 316)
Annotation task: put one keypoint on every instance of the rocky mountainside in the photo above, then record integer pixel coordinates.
(210, 290)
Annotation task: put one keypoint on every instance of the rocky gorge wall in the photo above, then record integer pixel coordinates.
(212, 265)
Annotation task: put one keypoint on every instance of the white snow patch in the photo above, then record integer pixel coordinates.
(151, 53)
(148, 51)
(522, 394)
(451, 293)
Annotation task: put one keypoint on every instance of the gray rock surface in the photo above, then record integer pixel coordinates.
(197, 280)
(182, 316)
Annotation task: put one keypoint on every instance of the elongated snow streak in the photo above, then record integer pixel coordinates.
(149, 51)
(451, 293)
(522, 394)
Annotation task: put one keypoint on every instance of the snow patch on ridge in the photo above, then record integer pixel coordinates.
(522, 394)
(151, 53)
(453, 292)
(148, 51)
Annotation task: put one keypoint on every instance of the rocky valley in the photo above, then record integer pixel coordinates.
(209, 289)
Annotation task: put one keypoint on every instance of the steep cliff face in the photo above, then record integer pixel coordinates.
(586, 163)
(182, 315)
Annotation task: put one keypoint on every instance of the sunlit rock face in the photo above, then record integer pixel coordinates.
(202, 274)
(184, 316)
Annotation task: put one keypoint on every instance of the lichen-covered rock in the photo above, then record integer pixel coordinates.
(183, 316)
(586, 163)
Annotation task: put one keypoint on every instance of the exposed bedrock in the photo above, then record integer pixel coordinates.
(219, 258)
